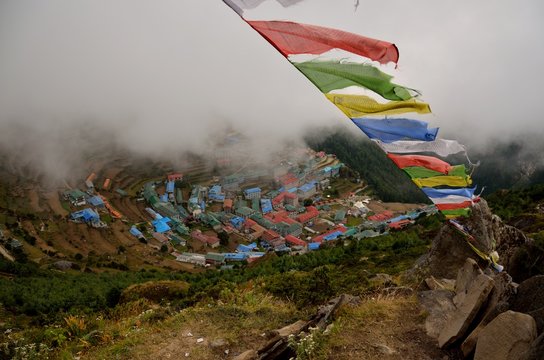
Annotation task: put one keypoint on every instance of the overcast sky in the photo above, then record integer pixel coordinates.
(175, 71)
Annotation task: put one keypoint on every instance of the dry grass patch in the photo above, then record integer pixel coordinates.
(382, 328)
(234, 323)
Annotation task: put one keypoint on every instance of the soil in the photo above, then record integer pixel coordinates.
(54, 203)
(378, 207)
(381, 329)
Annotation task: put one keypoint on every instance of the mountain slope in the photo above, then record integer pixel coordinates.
(388, 182)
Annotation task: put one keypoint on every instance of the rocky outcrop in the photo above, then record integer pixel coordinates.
(530, 299)
(498, 302)
(508, 336)
(467, 310)
(483, 300)
(449, 249)
(465, 277)
(438, 304)
(536, 349)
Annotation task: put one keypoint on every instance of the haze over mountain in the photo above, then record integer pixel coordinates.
(172, 77)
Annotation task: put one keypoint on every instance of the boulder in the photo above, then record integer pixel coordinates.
(459, 322)
(247, 355)
(440, 284)
(438, 304)
(218, 344)
(499, 301)
(535, 350)
(465, 277)
(509, 336)
(449, 249)
(292, 329)
(530, 299)
(526, 262)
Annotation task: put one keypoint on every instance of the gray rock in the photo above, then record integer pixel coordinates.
(63, 265)
(538, 315)
(530, 299)
(440, 284)
(508, 336)
(438, 304)
(218, 343)
(247, 355)
(536, 349)
(498, 302)
(459, 322)
(384, 349)
(449, 249)
(465, 277)
(292, 329)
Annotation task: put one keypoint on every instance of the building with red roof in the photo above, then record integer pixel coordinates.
(270, 235)
(294, 241)
(381, 216)
(285, 198)
(400, 224)
(174, 177)
(211, 241)
(311, 214)
(288, 181)
(322, 237)
(227, 205)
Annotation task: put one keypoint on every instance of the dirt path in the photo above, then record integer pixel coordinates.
(54, 203)
(382, 329)
(378, 207)
(34, 200)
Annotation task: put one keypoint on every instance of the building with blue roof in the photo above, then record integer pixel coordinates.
(170, 186)
(96, 201)
(161, 225)
(266, 206)
(137, 233)
(86, 215)
(216, 194)
(307, 190)
(314, 246)
(237, 222)
(246, 248)
(235, 256)
(253, 193)
(164, 198)
(333, 236)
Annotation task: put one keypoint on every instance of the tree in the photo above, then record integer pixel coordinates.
(308, 202)
(164, 248)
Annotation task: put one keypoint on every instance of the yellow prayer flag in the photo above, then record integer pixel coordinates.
(355, 106)
(454, 181)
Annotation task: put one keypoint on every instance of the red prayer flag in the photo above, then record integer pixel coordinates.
(292, 38)
(427, 162)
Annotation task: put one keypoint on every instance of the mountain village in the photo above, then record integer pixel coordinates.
(288, 208)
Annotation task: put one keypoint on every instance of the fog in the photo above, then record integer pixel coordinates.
(166, 76)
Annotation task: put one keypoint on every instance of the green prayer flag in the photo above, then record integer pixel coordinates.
(419, 172)
(334, 75)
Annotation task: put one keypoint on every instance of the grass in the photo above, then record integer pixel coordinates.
(239, 318)
(363, 331)
(66, 206)
(354, 221)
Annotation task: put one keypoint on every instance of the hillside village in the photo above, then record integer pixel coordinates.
(289, 208)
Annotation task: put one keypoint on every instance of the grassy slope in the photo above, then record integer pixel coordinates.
(236, 306)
